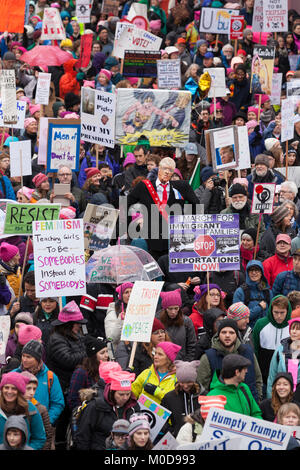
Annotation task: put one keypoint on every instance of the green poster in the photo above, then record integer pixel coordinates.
(19, 217)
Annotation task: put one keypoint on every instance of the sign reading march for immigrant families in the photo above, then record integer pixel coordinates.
(207, 242)
(19, 217)
(59, 262)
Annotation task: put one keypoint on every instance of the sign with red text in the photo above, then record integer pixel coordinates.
(43, 88)
(275, 16)
(83, 10)
(236, 27)
(136, 39)
(52, 25)
(59, 261)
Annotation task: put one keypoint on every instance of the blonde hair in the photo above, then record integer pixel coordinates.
(288, 408)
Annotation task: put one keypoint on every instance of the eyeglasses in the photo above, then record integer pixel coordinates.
(214, 295)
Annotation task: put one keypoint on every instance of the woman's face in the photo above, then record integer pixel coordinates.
(126, 295)
(45, 186)
(251, 116)
(280, 41)
(203, 49)
(102, 79)
(291, 159)
(95, 179)
(158, 336)
(297, 29)
(160, 360)
(22, 198)
(289, 39)
(102, 355)
(172, 311)
(194, 71)
(121, 398)
(76, 328)
(255, 274)
(214, 297)
(283, 388)
(48, 305)
(9, 393)
(290, 419)
(141, 437)
(295, 332)
(4, 163)
(247, 242)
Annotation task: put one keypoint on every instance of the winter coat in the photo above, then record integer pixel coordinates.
(64, 353)
(80, 379)
(270, 177)
(285, 282)
(197, 319)
(256, 144)
(113, 325)
(44, 324)
(13, 277)
(6, 294)
(241, 93)
(258, 292)
(11, 345)
(190, 431)
(6, 188)
(151, 376)
(36, 437)
(68, 82)
(16, 422)
(268, 239)
(268, 411)
(204, 341)
(49, 429)
(185, 337)
(275, 265)
(236, 397)
(142, 360)
(213, 200)
(98, 418)
(267, 336)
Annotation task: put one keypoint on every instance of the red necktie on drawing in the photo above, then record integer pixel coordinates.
(165, 194)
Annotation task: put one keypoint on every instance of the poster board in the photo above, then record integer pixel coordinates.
(20, 158)
(83, 11)
(216, 20)
(287, 119)
(262, 70)
(21, 111)
(140, 64)
(218, 85)
(63, 144)
(223, 151)
(43, 88)
(169, 74)
(275, 97)
(275, 16)
(52, 27)
(236, 27)
(8, 96)
(99, 225)
(19, 217)
(244, 150)
(135, 38)
(263, 198)
(156, 413)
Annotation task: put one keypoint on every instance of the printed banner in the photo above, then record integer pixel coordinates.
(63, 144)
(207, 242)
(216, 20)
(43, 88)
(52, 25)
(8, 96)
(169, 74)
(140, 311)
(213, 444)
(98, 117)
(263, 198)
(140, 63)
(21, 111)
(161, 116)
(99, 225)
(59, 261)
(157, 414)
(19, 217)
(262, 70)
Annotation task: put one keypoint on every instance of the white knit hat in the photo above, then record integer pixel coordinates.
(270, 142)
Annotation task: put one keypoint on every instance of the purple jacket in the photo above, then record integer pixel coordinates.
(11, 345)
(229, 111)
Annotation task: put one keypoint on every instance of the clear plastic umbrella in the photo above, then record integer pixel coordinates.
(121, 263)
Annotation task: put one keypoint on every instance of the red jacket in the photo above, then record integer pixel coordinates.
(275, 265)
(197, 319)
(68, 82)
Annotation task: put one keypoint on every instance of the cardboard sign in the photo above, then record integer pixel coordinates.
(216, 20)
(98, 117)
(85, 50)
(4, 334)
(262, 70)
(157, 414)
(99, 225)
(236, 27)
(140, 63)
(275, 97)
(258, 16)
(287, 119)
(223, 147)
(244, 150)
(218, 85)
(8, 96)
(19, 217)
(263, 198)
(275, 16)
(59, 261)
(169, 74)
(52, 25)
(110, 7)
(207, 242)
(168, 442)
(63, 144)
(43, 88)
(140, 311)
(12, 16)
(20, 158)
(136, 39)
(255, 434)
(21, 111)
(83, 10)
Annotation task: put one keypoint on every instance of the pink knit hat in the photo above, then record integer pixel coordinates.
(170, 349)
(33, 108)
(25, 98)
(39, 179)
(89, 83)
(212, 109)
(7, 251)
(121, 289)
(252, 109)
(171, 298)
(121, 380)
(15, 379)
(26, 191)
(27, 333)
(263, 99)
(130, 158)
(28, 121)
(243, 181)
(293, 320)
(208, 402)
(133, 80)
(106, 368)
(106, 72)
(70, 313)
(178, 173)
(67, 213)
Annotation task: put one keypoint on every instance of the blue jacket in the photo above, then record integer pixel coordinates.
(54, 402)
(115, 167)
(7, 189)
(256, 294)
(285, 282)
(36, 431)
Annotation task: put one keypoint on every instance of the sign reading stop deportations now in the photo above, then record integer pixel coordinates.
(204, 242)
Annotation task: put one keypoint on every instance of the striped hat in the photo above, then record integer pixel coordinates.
(208, 402)
(238, 311)
(138, 421)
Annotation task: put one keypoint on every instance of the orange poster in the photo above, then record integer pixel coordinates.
(12, 23)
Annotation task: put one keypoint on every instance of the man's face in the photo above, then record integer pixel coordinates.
(30, 291)
(103, 35)
(227, 337)
(226, 155)
(238, 201)
(240, 75)
(140, 157)
(261, 170)
(296, 263)
(165, 173)
(9, 64)
(96, 48)
(207, 62)
(283, 248)
(279, 314)
(204, 116)
(241, 374)
(243, 323)
(64, 175)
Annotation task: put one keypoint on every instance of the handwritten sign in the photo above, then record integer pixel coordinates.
(19, 217)
(218, 86)
(169, 74)
(287, 119)
(157, 414)
(213, 444)
(85, 50)
(8, 96)
(43, 88)
(59, 262)
(52, 27)
(43, 141)
(258, 16)
(140, 311)
(21, 111)
(136, 39)
(216, 20)
(275, 16)
(63, 144)
(168, 442)
(83, 10)
(20, 158)
(276, 88)
(244, 150)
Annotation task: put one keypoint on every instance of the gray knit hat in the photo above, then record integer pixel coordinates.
(186, 371)
(262, 159)
(33, 348)
(24, 317)
(120, 426)
(279, 213)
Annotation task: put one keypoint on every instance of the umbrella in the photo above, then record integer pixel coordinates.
(121, 263)
(45, 55)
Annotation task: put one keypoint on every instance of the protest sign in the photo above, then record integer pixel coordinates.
(134, 38)
(244, 150)
(21, 111)
(223, 148)
(258, 18)
(20, 158)
(43, 140)
(213, 444)
(63, 144)
(207, 242)
(3, 203)
(262, 69)
(98, 117)
(168, 442)
(169, 74)
(140, 63)
(59, 261)
(110, 7)
(263, 198)
(85, 50)
(118, 50)
(8, 96)
(275, 97)
(293, 61)
(293, 87)
(83, 10)
(4, 334)
(12, 16)
(19, 217)
(43, 88)
(216, 20)
(99, 224)
(52, 27)
(218, 86)
(236, 27)
(255, 434)
(137, 9)
(287, 119)
(157, 414)
(275, 16)
(166, 116)
(140, 311)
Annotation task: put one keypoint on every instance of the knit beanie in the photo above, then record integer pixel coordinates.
(237, 188)
(262, 159)
(130, 158)
(251, 232)
(121, 381)
(28, 121)
(92, 172)
(171, 298)
(292, 321)
(93, 345)
(33, 348)
(122, 288)
(120, 426)
(206, 173)
(270, 142)
(29, 377)
(70, 313)
(39, 179)
(7, 251)
(157, 325)
(284, 375)
(202, 290)
(56, 106)
(238, 311)
(33, 108)
(252, 109)
(228, 323)
(67, 213)
(138, 421)
(186, 371)
(170, 349)
(279, 213)
(24, 317)
(27, 333)
(106, 72)
(105, 369)
(207, 402)
(15, 379)
(26, 191)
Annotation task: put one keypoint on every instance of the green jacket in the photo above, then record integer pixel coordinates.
(236, 397)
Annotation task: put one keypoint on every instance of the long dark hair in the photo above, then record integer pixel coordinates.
(167, 321)
(132, 445)
(91, 365)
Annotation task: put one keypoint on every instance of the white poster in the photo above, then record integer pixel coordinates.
(21, 111)
(120, 27)
(263, 198)
(258, 16)
(287, 119)
(8, 96)
(157, 414)
(43, 141)
(83, 10)
(216, 20)
(43, 88)
(52, 25)
(98, 117)
(169, 74)
(136, 39)
(214, 444)
(20, 158)
(4, 334)
(167, 442)
(59, 261)
(275, 16)
(276, 88)
(293, 87)
(244, 151)
(218, 85)
(140, 311)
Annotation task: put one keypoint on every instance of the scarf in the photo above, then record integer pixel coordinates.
(247, 255)
(33, 370)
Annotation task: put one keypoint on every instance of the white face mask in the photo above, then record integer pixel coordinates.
(238, 205)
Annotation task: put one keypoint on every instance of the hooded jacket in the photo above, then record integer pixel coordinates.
(204, 342)
(285, 282)
(258, 292)
(16, 422)
(68, 82)
(275, 265)
(267, 336)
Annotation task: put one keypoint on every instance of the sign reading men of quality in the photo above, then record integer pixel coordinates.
(19, 217)
(59, 262)
(63, 144)
(255, 434)
(98, 117)
(263, 198)
(207, 242)
(140, 311)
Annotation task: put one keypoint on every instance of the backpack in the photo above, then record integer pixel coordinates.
(74, 422)
(247, 294)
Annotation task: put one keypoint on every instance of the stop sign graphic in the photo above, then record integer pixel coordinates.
(204, 245)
